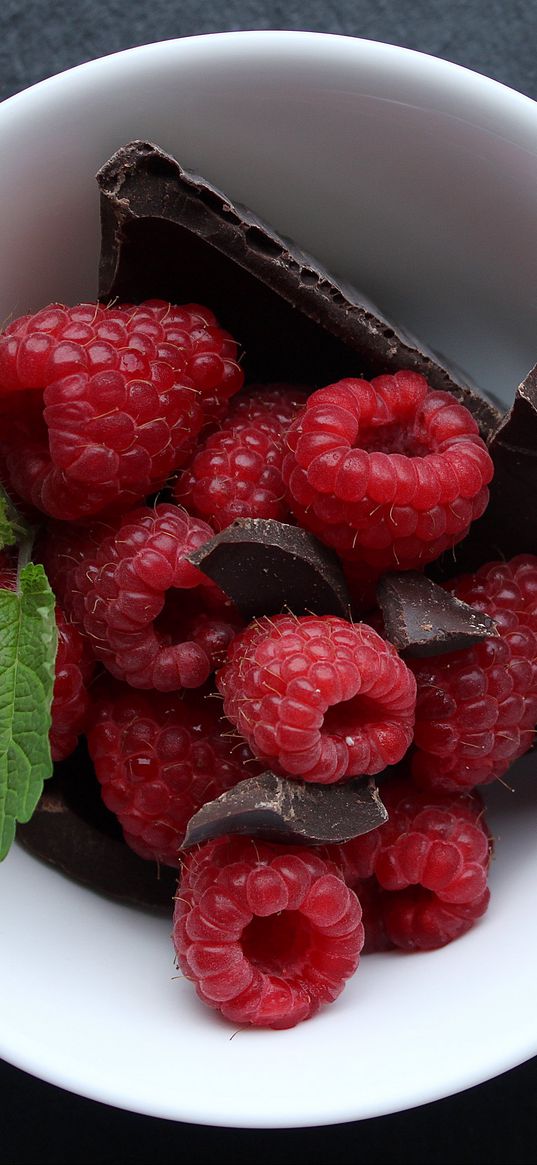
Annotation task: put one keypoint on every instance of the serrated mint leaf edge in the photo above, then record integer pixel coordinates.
(13, 528)
(25, 759)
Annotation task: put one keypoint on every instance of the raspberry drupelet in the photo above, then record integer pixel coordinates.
(476, 710)
(73, 670)
(422, 876)
(237, 471)
(319, 697)
(122, 391)
(159, 758)
(267, 934)
(388, 473)
(152, 618)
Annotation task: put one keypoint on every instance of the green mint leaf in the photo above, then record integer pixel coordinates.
(13, 529)
(28, 643)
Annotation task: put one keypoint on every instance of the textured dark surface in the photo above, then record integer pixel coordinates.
(423, 619)
(497, 1121)
(41, 37)
(169, 234)
(276, 809)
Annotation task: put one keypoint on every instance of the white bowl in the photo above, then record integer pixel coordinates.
(416, 179)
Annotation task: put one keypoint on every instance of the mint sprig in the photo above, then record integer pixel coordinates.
(28, 642)
(13, 528)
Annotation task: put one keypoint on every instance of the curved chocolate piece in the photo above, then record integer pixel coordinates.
(72, 830)
(275, 808)
(169, 233)
(267, 567)
(423, 619)
(509, 524)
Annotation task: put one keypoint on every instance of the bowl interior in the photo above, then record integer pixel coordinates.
(415, 180)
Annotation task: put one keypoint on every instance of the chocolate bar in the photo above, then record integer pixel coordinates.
(170, 234)
(73, 831)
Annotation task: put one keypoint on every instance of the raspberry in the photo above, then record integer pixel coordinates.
(73, 671)
(158, 759)
(267, 934)
(319, 698)
(388, 473)
(152, 618)
(123, 391)
(423, 874)
(476, 710)
(70, 705)
(237, 472)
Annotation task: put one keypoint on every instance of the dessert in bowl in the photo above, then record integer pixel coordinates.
(380, 162)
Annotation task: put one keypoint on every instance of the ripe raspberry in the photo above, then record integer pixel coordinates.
(423, 874)
(70, 705)
(149, 614)
(267, 934)
(159, 758)
(319, 698)
(123, 392)
(73, 670)
(237, 472)
(476, 710)
(388, 473)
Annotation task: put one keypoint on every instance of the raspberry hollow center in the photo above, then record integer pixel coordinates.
(352, 716)
(277, 944)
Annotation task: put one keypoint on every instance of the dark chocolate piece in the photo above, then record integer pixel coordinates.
(423, 619)
(509, 524)
(171, 234)
(267, 567)
(277, 809)
(73, 831)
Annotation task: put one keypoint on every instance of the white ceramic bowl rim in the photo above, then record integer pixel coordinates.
(494, 108)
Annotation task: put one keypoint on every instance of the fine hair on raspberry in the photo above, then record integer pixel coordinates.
(476, 710)
(122, 391)
(319, 697)
(158, 758)
(150, 616)
(389, 473)
(266, 933)
(236, 472)
(422, 876)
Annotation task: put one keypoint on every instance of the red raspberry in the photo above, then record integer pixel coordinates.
(237, 472)
(73, 670)
(388, 473)
(267, 934)
(425, 869)
(159, 758)
(123, 392)
(148, 613)
(319, 698)
(476, 710)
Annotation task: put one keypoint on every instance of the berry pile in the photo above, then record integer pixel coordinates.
(127, 443)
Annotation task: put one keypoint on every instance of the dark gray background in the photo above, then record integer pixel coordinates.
(495, 1122)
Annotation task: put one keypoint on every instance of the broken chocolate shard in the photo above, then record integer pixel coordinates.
(275, 808)
(170, 234)
(267, 567)
(509, 524)
(72, 831)
(422, 619)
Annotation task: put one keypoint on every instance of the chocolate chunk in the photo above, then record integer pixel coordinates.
(277, 809)
(73, 831)
(422, 618)
(267, 567)
(170, 234)
(509, 524)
